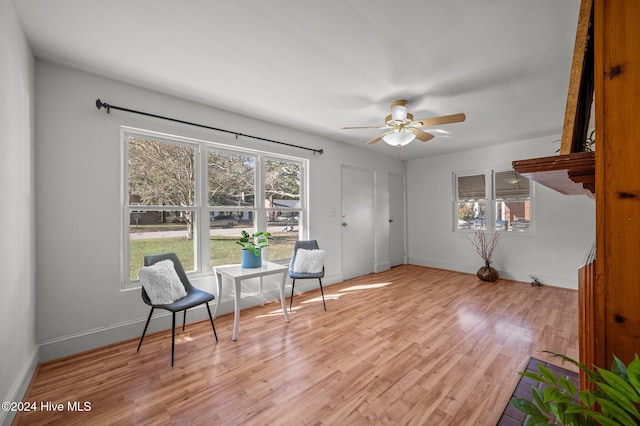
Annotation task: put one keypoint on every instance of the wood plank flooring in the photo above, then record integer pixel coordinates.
(411, 345)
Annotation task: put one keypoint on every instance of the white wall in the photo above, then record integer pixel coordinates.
(564, 225)
(78, 163)
(18, 350)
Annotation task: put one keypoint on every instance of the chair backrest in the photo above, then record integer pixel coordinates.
(302, 244)
(152, 259)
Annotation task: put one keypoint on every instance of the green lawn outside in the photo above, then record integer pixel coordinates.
(224, 250)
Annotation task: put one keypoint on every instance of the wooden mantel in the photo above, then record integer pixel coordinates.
(569, 174)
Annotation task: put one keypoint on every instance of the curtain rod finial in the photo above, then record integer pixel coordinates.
(100, 104)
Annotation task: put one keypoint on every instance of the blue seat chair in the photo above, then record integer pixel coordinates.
(193, 298)
(307, 245)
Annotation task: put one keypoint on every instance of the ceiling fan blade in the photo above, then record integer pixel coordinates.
(366, 127)
(422, 136)
(435, 121)
(378, 138)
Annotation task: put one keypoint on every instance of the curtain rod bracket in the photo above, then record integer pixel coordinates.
(107, 107)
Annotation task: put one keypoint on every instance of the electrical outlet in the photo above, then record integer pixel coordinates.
(535, 281)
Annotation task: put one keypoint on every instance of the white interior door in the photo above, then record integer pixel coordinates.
(357, 222)
(396, 220)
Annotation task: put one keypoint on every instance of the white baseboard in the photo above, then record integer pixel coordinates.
(549, 280)
(19, 387)
(380, 267)
(62, 346)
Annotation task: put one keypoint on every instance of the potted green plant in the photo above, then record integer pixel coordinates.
(614, 401)
(252, 245)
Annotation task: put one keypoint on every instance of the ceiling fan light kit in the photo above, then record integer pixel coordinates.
(402, 129)
(399, 138)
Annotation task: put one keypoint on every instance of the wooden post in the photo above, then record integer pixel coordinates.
(617, 97)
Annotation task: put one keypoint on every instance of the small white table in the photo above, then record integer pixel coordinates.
(237, 274)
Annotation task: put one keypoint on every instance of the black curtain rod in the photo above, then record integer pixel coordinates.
(108, 107)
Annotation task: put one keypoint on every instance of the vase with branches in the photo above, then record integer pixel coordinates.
(485, 244)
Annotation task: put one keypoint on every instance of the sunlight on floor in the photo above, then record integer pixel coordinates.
(181, 338)
(366, 286)
(328, 296)
(274, 313)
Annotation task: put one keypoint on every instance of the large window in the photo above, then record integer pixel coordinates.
(194, 198)
(495, 200)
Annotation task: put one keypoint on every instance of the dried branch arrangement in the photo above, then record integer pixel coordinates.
(485, 243)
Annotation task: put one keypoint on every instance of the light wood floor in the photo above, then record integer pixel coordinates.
(412, 345)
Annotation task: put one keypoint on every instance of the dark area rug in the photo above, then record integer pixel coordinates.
(511, 416)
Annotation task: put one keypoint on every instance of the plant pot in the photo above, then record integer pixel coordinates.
(487, 273)
(250, 260)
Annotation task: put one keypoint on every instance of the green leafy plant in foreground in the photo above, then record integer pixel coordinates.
(254, 242)
(614, 401)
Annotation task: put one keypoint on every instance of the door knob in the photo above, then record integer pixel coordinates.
(345, 224)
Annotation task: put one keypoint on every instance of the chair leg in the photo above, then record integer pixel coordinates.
(173, 335)
(184, 319)
(291, 300)
(211, 319)
(145, 330)
(322, 291)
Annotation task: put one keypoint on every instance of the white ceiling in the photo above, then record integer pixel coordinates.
(322, 65)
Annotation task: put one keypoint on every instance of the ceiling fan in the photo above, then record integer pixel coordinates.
(402, 128)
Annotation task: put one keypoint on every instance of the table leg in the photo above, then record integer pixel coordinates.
(219, 295)
(282, 297)
(261, 293)
(236, 308)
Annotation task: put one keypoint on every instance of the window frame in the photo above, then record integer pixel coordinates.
(201, 207)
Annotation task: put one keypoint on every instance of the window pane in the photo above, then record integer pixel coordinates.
(513, 215)
(284, 227)
(472, 187)
(283, 217)
(231, 179)
(229, 219)
(281, 244)
(509, 184)
(471, 215)
(154, 232)
(282, 184)
(161, 174)
(225, 230)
